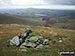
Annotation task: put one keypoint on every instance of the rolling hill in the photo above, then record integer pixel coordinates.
(10, 19)
(39, 17)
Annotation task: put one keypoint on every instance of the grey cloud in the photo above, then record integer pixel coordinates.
(61, 2)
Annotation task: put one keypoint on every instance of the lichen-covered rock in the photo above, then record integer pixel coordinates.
(29, 40)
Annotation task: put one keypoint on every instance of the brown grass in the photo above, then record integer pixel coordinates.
(7, 31)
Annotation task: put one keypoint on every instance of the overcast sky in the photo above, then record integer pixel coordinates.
(52, 4)
(61, 2)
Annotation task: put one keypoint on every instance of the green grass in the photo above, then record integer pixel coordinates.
(12, 19)
(52, 50)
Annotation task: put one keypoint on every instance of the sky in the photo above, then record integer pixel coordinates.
(45, 4)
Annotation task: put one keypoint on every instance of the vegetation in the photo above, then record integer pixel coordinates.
(11, 19)
(8, 31)
(39, 17)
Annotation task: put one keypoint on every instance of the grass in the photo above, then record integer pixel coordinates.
(11, 19)
(8, 31)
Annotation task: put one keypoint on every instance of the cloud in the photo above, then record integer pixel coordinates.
(60, 2)
(52, 4)
(5, 2)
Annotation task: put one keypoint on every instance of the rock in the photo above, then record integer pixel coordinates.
(40, 46)
(60, 41)
(24, 50)
(15, 41)
(32, 40)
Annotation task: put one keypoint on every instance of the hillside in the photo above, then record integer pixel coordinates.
(7, 31)
(11, 19)
(39, 17)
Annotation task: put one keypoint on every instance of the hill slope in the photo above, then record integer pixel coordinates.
(10, 19)
(7, 31)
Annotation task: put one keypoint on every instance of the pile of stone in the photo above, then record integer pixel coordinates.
(29, 39)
